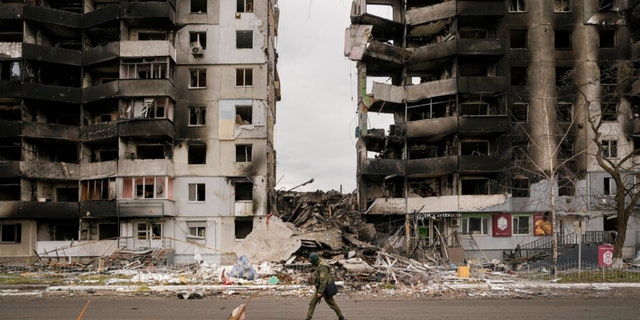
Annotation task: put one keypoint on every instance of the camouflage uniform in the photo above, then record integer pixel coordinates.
(322, 276)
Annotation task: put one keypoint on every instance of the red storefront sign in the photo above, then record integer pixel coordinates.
(605, 256)
(502, 225)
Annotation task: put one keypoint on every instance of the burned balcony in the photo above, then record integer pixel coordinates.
(146, 128)
(50, 170)
(99, 54)
(382, 167)
(11, 10)
(41, 210)
(432, 167)
(50, 131)
(477, 164)
(94, 170)
(149, 13)
(98, 131)
(106, 15)
(98, 209)
(432, 129)
(483, 125)
(53, 18)
(130, 88)
(383, 29)
(10, 88)
(10, 129)
(51, 92)
(52, 54)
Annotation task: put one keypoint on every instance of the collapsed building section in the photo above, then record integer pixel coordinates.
(491, 103)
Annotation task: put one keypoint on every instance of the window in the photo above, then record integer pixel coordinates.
(566, 186)
(609, 186)
(562, 39)
(9, 70)
(517, 6)
(243, 153)
(244, 77)
(197, 192)
(521, 225)
(198, 6)
(198, 39)
(197, 229)
(607, 38)
(197, 154)
(244, 6)
(146, 68)
(564, 76)
(151, 36)
(520, 112)
(197, 116)
(475, 225)
(243, 227)
(149, 231)
(564, 111)
(609, 111)
(10, 232)
(474, 148)
(519, 151)
(107, 231)
(518, 76)
(144, 187)
(244, 191)
(606, 5)
(520, 188)
(474, 109)
(610, 148)
(518, 39)
(561, 5)
(476, 186)
(244, 115)
(198, 78)
(244, 39)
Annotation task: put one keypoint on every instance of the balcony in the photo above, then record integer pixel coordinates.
(110, 51)
(47, 210)
(101, 16)
(473, 164)
(412, 93)
(99, 209)
(53, 17)
(10, 89)
(50, 131)
(149, 13)
(148, 167)
(432, 167)
(432, 129)
(146, 128)
(382, 167)
(98, 131)
(383, 29)
(10, 129)
(39, 91)
(483, 125)
(147, 49)
(10, 169)
(129, 88)
(98, 170)
(52, 54)
(146, 208)
(50, 170)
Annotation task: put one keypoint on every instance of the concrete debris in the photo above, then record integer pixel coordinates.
(271, 241)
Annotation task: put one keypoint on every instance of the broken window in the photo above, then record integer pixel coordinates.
(198, 39)
(150, 151)
(423, 152)
(244, 115)
(517, 6)
(609, 186)
(564, 111)
(243, 153)
(562, 39)
(474, 109)
(98, 189)
(146, 68)
(607, 38)
(609, 111)
(244, 6)
(518, 39)
(198, 78)
(10, 70)
(243, 227)
(610, 148)
(606, 5)
(474, 148)
(518, 76)
(197, 115)
(10, 232)
(564, 76)
(65, 231)
(107, 231)
(144, 187)
(149, 108)
(10, 189)
(197, 192)
(475, 225)
(244, 191)
(244, 39)
(197, 154)
(198, 6)
(520, 188)
(197, 229)
(520, 112)
(561, 5)
(429, 109)
(475, 186)
(244, 77)
(149, 231)
(521, 225)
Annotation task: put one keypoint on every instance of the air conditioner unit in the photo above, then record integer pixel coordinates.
(196, 50)
(454, 222)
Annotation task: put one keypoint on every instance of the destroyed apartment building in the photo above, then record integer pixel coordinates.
(493, 104)
(135, 126)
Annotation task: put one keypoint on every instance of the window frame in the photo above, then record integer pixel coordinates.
(483, 225)
(244, 77)
(197, 116)
(198, 78)
(191, 10)
(610, 148)
(517, 229)
(10, 233)
(561, 6)
(196, 191)
(147, 232)
(609, 187)
(244, 6)
(248, 153)
(244, 39)
(517, 6)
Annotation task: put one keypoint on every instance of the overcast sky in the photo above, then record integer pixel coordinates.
(316, 118)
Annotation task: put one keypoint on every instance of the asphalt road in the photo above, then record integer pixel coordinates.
(152, 307)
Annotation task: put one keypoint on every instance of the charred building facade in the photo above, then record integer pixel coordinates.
(492, 105)
(135, 124)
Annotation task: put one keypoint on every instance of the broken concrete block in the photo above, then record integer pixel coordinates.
(356, 265)
(271, 241)
(366, 232)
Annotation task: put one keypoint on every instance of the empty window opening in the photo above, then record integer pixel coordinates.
(244, 115)
(10, 189)
(99, 189)
(198, 6)
(607, 38)
(564, 76)
(380, 10)
(67, 194)
(243, 227)
(475, 225)
(517, 5)
(244, 77)
(149, 231)
(610, 148)
(244, 191)
(244, 6)
(197, 115)
(65, 231)
(518, 39)
(244, 39)
(562, 39)
(471, 70)
(566, 186)
(150, 152)
(474, 148)
(474, 109)
(473, 33)
(609, 111)
(423, 152)
(520, 188)
(564, 111)
(198, 78)
(149, 36)
(430, 109)
(609, 186)
(518, 76)
(197, 154)
(197, 192)
(10, 232)
(606, 5)
(521, 225)
(198, 39)
(10, 70)
(478, 186)
(520, 112)
(561, 5)
(243, 153)
(108, 231)
(519, 151)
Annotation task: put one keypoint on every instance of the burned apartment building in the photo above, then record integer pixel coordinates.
(135, 125)
(492, 104)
